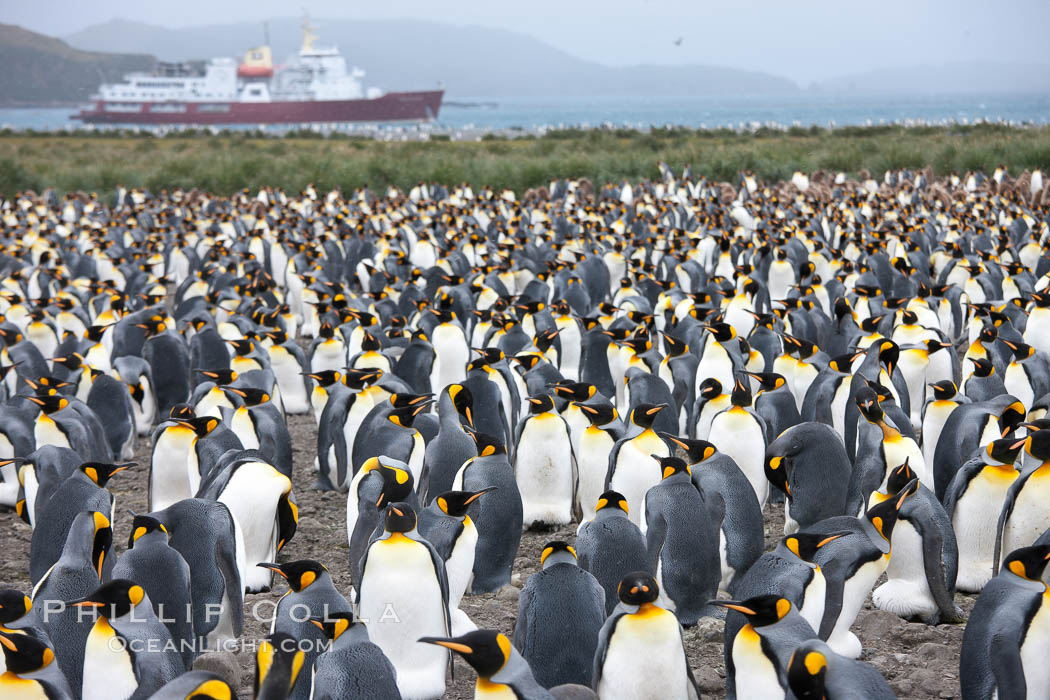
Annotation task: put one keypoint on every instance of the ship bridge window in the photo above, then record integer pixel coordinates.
(213, 108)
(255, 91)
(168, 108)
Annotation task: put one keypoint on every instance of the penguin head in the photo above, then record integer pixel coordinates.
(867, 401)
(358, 379)
(900, 476)
(871, 323)
(326, 378)
(142, 525)
(710, 388)
(299, 574)
(334, 625)
(944, 389)
(644, 414)
(455, 503)
(988, 333)
(399, 517)
(24, 653)
(487, 651)
(1037, 444)
(669, 466)
(405, 416)
(201, 425)
(889, 354)
(180, 411)
(242, 346)
(1011, 417)
(598, 414)
(13, 605)
(1027, 562)
(1020, 350)
(557, 552)
(1004, 451)
(575, 391)
(696, 451)
(760, 610)
(768, 381)
(114, 598)
(46, 386)
(883, 515)
(674, 346)
(612, 501)
(220, 376)
(528, 360)
(488, 445)
(805, 545)
(807, 669)
(462, 401)
(982, 367)
(638, 588)
(100, 472)
(249, 396)
(489, 356)
(51, 403)
(95, 333)
(73, 361)
(540, 403)
(741, 396)
(723, 332)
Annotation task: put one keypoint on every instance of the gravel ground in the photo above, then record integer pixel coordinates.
(919, 661)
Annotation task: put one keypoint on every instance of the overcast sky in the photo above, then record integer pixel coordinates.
(803, 40)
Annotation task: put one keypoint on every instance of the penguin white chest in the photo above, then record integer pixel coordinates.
(174, 458)
(108, 672)
(47, 432)
(244, 429)
(812, 608)
(1035, 650)
(1030, 517)
(906, 592)
(736, 433)
(460, 564)
(593, 465)
(976, 539)
(854, 593)
(636, 472)
(644, 659)
(756, 676)
(400, 602)
(543, 468)
(252, 494)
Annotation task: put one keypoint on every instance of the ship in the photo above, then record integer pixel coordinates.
(313, 86)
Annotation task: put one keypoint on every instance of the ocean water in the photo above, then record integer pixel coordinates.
(805, 109)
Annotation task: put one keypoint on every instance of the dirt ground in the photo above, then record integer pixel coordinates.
(919, 661)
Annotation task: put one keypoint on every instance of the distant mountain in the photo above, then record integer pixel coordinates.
(953, 77)
(408, 54)
(40, 70)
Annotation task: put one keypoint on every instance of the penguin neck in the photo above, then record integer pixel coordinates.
(888, 432)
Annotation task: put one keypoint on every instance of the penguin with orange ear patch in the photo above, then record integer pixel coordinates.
(31, 670)
(311, 594)
(815, 671)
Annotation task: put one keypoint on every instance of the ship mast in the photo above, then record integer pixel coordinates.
(308, 35)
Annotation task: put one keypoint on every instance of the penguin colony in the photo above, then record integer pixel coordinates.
(651, 363)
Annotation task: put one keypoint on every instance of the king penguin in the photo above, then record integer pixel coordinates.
(502, 672)
(544, 465)
(352, 666)
(632, 469)
(610, 546)
(815, 671)
(31, 672)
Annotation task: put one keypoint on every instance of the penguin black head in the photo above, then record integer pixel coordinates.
(982, 367)
(405, 416)
(760, 610)
(710, 388)
(1011, 417)
(611, 499)
(201, 425)
(95, 333)
(1020, 350)
(723, 332)
(143, 525)
(644, 414)
(219, 376)
(805, 545)
(768, 381)
(598, 414)
(988, 333)
(638, 588)
(113, 598)
(883, 516)
(871, 324)
(909, 317)
(49, 403)
(807, 669)
(24, 653)
(13, 605)
(462, 401)
(843, 363)
(900, 476)
(299, 574)
(250, 396)
(528, 360)
(944, 389)
(556, 552)
(400, 517)
(696, 450)
(1028, 562)
(575, 391)
(674, 346)
(358, 379)
(71, 362)
(540, 403)
(889, 354)
(487, 651)
(1004, 451)
(334, 625)
(669, 466)
(741, 395)
(455, 503)
(489, 355)
(242, 346)
(1036, 444)
(100, 472)
(488, 445)
(867, 401)
(326, 378)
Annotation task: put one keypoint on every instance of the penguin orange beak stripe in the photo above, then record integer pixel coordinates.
(272, 567)
(88, 604)
(8, 643)
(826, 540)
(397, 512)
(478, 495)
(734, 606)
(454, 646)
(654, 410)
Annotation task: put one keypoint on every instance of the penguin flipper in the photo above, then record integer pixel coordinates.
(937, 574)
(1006, 665)
(521, 625)
(1004, 515)
(835, 585)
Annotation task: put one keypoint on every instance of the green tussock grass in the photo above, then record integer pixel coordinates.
(228, 162)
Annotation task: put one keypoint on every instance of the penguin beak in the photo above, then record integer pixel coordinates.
(733, 605)
(479, 494)
(447, 643)
(273, 567)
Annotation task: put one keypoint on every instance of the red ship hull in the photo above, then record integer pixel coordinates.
(392, 107)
